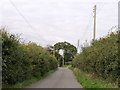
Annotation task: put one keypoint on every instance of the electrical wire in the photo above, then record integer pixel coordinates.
(21, 14)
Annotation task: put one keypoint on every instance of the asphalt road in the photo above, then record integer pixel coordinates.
(62, 78)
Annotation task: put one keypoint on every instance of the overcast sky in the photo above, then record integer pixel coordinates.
(51, 21)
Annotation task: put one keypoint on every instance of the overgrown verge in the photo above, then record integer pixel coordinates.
(101, 58)
(89, 81)
(21, 62)
(32, 80)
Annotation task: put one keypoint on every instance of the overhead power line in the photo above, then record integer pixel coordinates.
(86, 29)
(31, 26)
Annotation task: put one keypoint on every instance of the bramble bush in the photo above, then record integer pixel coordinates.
(21, 61)
(101, 58)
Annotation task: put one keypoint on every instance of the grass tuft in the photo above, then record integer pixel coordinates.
(89, 82)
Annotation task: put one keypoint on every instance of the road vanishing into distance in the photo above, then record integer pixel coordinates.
(62, 78)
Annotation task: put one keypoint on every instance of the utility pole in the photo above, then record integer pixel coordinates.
(94, 30)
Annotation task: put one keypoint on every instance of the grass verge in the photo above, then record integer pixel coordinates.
(66, 66)
(89, 82)
(31, 81)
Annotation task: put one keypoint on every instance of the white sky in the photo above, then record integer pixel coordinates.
(58, 20)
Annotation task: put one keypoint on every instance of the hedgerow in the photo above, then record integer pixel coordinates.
(101, 58)
(21, 61)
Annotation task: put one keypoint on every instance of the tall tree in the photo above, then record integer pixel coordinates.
(53, 52)
(69, 50)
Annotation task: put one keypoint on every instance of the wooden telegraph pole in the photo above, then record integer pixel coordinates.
(94, 30)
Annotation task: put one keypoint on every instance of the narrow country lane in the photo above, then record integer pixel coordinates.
(63, 78)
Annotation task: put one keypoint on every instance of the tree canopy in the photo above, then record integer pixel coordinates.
(69, 50)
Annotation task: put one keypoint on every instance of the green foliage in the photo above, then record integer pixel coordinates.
(101, 58)
(31, 80)
(52, 51)
(69, 50)
(91, 82)
(22, 62)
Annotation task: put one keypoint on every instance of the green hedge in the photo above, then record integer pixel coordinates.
(23, 61)
(101, 58)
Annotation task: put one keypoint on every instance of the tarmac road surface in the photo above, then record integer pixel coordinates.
(62, 78)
